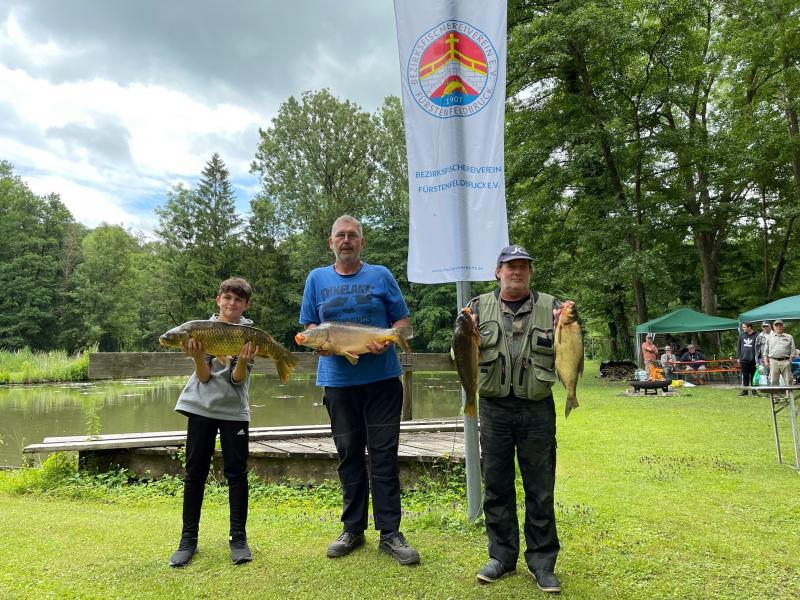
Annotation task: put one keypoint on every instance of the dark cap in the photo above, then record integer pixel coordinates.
(513, 253)
(777, 322)
(765, 324)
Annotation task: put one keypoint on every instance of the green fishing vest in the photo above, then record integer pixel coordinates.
(533, 372)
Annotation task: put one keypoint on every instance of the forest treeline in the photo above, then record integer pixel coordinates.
(652, 162)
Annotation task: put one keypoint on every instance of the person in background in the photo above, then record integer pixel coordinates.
(778, 351)
(694, 357)
(796, 365)
(761, 340)
(649, 350)
(746, 353)
(668, 362)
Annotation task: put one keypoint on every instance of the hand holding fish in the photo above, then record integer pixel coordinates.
(378, 347)
(248, 351)
(246, 354)
(193, 348)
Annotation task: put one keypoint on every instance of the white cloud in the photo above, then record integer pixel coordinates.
(109, 104)
(89, 205)
(169, 136)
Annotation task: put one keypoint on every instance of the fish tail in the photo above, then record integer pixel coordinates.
(404, 333)
(285, 366)
(572, 402)
(471, 409)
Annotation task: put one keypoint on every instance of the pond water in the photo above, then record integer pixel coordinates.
(28, 414)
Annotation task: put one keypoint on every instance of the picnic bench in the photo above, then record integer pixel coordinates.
(727, 367)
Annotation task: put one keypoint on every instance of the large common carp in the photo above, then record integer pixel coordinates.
(569, 352)
(226, 339)
(465, 355)
(350, 339)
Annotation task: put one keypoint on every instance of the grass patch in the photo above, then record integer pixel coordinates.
(25, 366)
(656, 497)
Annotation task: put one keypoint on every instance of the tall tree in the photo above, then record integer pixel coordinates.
(201, 234)
(33, 231)
(317, 161)
(106, 291)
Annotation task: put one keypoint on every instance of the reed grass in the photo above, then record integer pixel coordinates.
(28, 366)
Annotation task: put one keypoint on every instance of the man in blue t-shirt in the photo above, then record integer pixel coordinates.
(365, 400)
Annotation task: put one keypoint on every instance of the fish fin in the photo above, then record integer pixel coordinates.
(351, 358)
(571, 403)
(580, 366)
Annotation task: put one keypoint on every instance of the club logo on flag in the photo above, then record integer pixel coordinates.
(452, 70)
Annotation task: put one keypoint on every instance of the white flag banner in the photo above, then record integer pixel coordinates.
(453, 65)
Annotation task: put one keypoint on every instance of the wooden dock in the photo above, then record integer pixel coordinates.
(302, 453)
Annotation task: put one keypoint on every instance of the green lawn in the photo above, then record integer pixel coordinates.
(658, 497)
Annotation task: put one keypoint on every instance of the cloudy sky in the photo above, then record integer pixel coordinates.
(111, 102)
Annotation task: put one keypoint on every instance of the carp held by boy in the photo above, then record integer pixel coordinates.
(350, 339)
(226, 339)
(465, 355)
(569, 352)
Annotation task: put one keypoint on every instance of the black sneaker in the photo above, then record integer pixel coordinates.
(546, 580)
(345, 544)
(186, 550)
(743, 393)
(396, 545)
(492, 571)
(240, 551)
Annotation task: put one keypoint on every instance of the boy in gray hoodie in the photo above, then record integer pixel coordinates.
(215, 399)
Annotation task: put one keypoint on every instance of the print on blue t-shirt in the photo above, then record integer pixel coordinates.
(354, 303)
(370, 296)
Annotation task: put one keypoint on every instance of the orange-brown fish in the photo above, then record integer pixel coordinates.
(226, 339)
(465, 354)
(350, 339)
(569, 352)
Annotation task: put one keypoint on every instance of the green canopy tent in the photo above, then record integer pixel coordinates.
(784, 309)
(683, 320)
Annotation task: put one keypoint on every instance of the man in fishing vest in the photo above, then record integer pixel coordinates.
(515, 374)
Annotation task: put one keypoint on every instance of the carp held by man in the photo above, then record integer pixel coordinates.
(465, 355)
(350, 339)
(226, 339)
(569, 352)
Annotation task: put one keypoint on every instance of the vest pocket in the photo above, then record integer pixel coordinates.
(491, 363)
(544, 374)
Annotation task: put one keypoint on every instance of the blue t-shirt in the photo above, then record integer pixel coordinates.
(369, 296)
